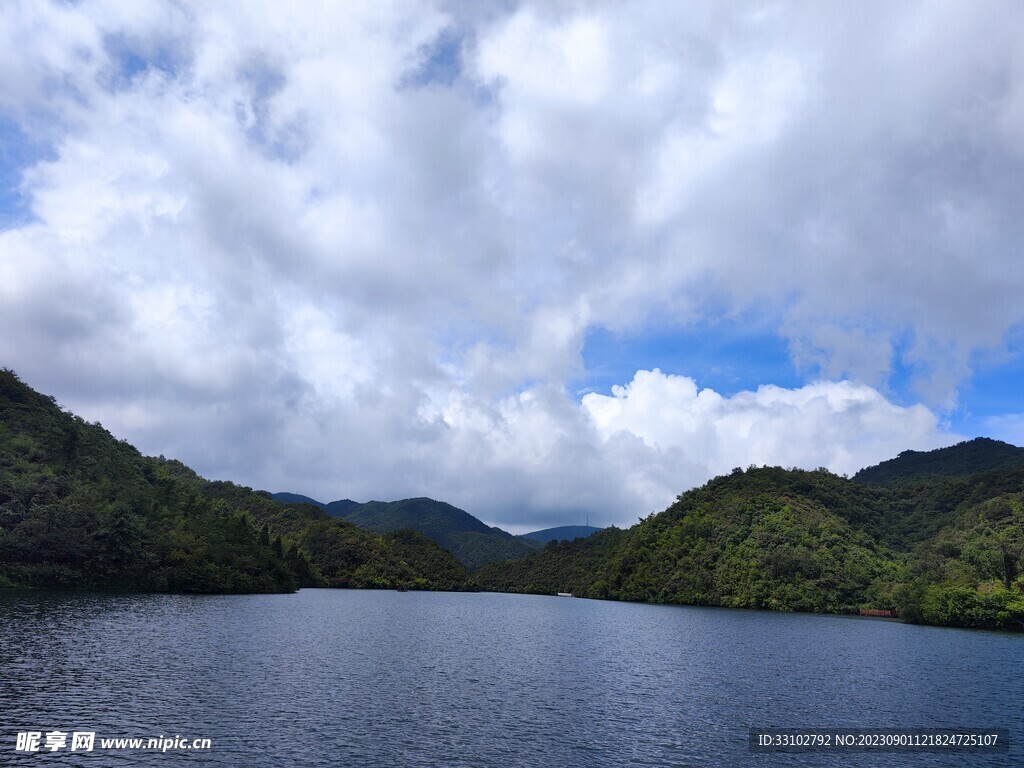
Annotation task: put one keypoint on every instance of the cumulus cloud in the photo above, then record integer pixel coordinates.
(837, 425)
(356, 250)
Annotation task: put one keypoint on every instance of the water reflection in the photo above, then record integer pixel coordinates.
(330, 677)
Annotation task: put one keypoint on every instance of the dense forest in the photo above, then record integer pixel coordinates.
(969, 458)
(933, 548)
(81, 509)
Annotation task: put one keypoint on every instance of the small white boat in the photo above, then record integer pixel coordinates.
(565, 594)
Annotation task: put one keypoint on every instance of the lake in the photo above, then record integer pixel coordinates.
(381, 678)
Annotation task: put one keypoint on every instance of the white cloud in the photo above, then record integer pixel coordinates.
(839, 425)
(632, 452)
(260, 246)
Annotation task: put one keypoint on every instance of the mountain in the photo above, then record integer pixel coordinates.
(81, 509)
(335, 508)
(564, 532)
(341, 507)
(948, 550)
(756, 539)
(470, 540)
(349, 556)
(297, 498)
(432, 518)
(967, 458)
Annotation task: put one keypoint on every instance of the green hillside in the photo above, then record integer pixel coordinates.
(967, 458)
(348, 555)
(945, 552)
(756, 539)
(81, 509)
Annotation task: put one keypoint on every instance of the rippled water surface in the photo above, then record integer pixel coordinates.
(374, 678)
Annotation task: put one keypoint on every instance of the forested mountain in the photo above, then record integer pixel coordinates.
(348, 555)
(756, 539)
(967, 458)
(297, 498)
(81, 509)
(945, 551)
(472, 541)
(561, 533)
(341, 507)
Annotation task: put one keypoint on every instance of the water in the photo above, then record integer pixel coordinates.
(374, 678)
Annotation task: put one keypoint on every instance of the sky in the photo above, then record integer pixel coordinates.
(546, 261)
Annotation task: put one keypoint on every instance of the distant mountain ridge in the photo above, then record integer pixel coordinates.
(341, 507)
(470, 540)
(297, 498)
(970, 457)
(560, 533)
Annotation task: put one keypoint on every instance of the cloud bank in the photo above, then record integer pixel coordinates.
(357, 250)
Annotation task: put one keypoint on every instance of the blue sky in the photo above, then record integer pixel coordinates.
(17, 153)
(733, 357)
(541, 261)
(728, 358)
